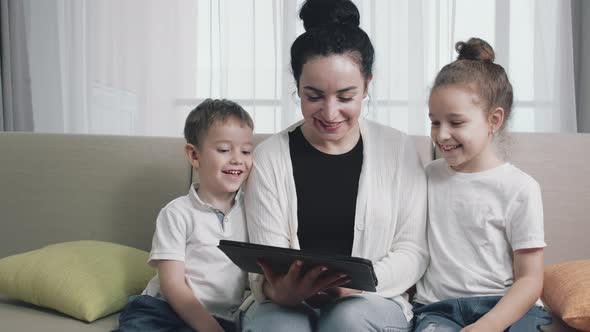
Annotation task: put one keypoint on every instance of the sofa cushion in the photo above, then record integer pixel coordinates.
(566, 291)
(83, 279)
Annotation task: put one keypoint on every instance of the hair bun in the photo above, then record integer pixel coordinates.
(317, 13)
(475, 49)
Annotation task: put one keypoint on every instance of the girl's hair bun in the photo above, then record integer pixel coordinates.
(475, 49)
(318, 13)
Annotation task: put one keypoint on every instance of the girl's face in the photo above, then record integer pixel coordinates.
(331, 89)
(461, 129)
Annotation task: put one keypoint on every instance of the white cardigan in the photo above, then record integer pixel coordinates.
(390, 217)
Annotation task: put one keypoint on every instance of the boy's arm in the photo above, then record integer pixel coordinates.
(182, 299)
(526, 290)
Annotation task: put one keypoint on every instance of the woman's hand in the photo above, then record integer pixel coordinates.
(328, 296)
(292, 288)
(338, 292)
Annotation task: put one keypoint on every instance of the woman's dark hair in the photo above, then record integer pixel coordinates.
(332, 27)
(476, 69)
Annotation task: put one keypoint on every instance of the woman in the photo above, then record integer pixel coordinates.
(337, 184)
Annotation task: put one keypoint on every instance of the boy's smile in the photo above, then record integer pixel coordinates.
(233, 172)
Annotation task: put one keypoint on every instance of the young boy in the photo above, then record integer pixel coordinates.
(197, 286)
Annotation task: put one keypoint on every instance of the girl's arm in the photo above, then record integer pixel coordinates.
(182, 299)
(526, 290)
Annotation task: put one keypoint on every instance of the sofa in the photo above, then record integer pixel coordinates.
(56, 188)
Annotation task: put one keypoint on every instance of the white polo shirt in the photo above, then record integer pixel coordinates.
(189, 230)
(476, 221)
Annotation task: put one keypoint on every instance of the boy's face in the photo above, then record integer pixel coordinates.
(224, 158)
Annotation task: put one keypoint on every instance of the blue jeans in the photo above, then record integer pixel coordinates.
(146, 313)
(454, 314)
(361, 312)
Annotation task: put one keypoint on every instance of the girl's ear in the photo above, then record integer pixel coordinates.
(192, 155)
(496, 119)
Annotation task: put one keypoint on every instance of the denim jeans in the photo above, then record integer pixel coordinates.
(148, 314)
(361, 312)
(454, 314)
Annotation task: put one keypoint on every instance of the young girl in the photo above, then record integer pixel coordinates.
(485, 230)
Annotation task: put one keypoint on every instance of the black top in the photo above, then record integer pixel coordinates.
(327, 186)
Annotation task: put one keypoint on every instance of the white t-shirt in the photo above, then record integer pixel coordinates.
(189, 230)
(476, 221)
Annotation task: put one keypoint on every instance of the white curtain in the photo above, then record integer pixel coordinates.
(139, 66)
(16, 110)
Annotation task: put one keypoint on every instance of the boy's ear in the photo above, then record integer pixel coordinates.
(192, 155)
(496, 119)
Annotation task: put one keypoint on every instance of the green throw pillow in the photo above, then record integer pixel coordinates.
(84, 279)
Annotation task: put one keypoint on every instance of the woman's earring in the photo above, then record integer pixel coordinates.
(367, 100)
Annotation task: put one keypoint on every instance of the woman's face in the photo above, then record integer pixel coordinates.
(332, 89)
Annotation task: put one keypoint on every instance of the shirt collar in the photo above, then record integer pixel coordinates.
(194, 196)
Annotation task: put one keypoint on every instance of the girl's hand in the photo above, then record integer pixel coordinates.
(471, 328)
(292, 288)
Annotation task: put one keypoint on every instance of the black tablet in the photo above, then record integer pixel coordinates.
(245, 255)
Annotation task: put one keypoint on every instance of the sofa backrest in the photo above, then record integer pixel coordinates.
(423, 146)
(63, 187)
(67, 187)
(561, 165)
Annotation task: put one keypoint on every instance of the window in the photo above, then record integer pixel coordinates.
(139, 66)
